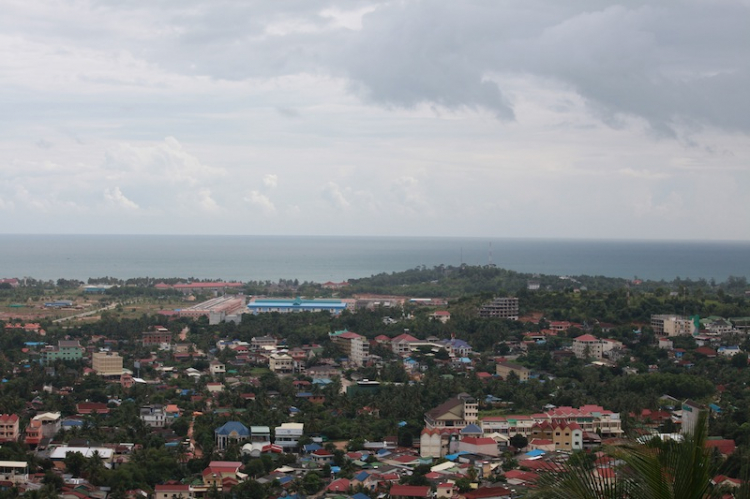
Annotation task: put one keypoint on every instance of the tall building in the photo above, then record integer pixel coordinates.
(588, 346)
(65, 350)
(672, 325)
(8, 427)
(691, 413)
(107, 363)
(356, 347)
(502, 308)
(446, 421)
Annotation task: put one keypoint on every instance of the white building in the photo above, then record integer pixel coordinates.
(588, 346)
(288, 435)
(153, 416)
(280, 363)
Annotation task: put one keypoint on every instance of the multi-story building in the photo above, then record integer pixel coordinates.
(160, 337)
(217, 367)
(590, 419)
(588, 346)
(502, 308)
(154, 416)
(672, 325)
(446, 421)
(288, 434)
(280, 363)
(355, 346)
(565, 436)
(691, 413)
(504, 369)
(43, 426)
(107, 363)
(16, 472)
(8, 427)
(258, 343)
(65, 350)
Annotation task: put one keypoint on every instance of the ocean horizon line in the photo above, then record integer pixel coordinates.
(359, 236)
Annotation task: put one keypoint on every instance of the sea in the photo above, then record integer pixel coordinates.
(338, 258)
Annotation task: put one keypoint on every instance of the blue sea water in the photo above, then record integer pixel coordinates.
(320, 259)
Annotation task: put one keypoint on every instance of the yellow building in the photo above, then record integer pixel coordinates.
(503, 369)
(107, 363)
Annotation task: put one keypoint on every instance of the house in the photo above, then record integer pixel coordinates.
(322, 457)
(217, 473)
(518, 477)
(725, 447)
(441, 315)
(217, 367)
(339, 486)
(153, 416)
(86, 408)
(706, 352)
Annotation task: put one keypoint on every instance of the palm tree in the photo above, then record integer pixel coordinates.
(656, 470)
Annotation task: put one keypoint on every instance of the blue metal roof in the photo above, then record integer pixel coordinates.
(233, 426)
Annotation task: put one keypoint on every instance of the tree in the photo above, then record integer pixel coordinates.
(519, 441)
(74, 463)
(657, 470)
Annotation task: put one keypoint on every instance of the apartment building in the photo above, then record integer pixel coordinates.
(355, 346)
(588, 346)
(107, 363)
(672, 325)
(500, 308)
(8, 427)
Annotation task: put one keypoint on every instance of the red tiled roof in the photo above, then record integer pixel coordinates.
(488, 492)
(340, 485)
(410, 491)
(725, 446)
(587, 338)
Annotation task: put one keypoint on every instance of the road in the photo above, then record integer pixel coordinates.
(86, 314)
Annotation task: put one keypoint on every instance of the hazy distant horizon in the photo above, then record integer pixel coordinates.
(328, 258)
(426, 236)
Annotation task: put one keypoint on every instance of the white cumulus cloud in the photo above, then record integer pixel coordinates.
(270, 180)
(115, 197)
(261, 201)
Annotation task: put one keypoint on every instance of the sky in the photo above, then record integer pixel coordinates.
(486, 118)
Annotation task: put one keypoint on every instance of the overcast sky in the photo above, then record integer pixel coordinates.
(502, 118)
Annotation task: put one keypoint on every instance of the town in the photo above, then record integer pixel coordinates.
(460, 386)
